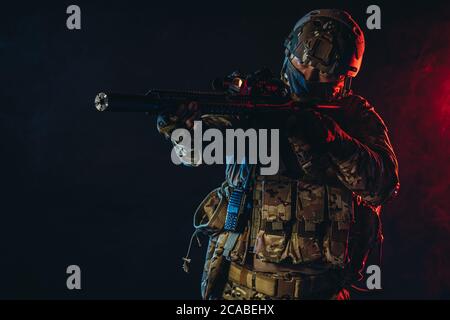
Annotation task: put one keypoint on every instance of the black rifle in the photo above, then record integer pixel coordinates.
(234, 95)
(208, 102)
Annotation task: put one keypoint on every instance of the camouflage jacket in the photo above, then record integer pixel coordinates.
(326, 217)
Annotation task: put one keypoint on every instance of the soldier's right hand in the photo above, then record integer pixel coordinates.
(187, 114)
(182, 117)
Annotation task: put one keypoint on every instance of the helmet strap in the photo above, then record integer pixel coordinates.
(347, 86)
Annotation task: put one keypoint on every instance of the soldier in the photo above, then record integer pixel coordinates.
(306, 232)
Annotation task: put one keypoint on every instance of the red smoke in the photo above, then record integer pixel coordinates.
(416, 105)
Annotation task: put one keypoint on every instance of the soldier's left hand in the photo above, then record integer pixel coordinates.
(318, 129)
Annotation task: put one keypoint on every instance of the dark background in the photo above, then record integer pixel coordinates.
(99, 190)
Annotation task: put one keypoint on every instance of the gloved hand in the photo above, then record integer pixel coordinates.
(321, 132)
(183, 117)
(316, 128)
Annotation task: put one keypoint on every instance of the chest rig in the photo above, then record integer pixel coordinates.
(298, 222)
(289, 221)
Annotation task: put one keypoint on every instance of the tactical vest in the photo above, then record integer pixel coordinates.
(291, 222)
(308, 221)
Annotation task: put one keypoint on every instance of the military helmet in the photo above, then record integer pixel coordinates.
(329, 40)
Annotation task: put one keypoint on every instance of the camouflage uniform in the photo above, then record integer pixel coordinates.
(308, 235)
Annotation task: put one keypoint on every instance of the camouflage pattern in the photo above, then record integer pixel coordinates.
(211, 213)
(327, 218)
(243, 284)
(273, 237)
(236, 291)
(366, 164)
(214, 268)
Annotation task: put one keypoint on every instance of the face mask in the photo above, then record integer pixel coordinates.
(304, 88)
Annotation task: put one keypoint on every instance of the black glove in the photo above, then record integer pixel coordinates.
(182, 117)
(317, 129)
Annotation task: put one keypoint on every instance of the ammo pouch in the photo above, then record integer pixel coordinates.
(365, 234)
(223, 246)
(209, 218)
(302, 222)
(341, 215)
(274, 203)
